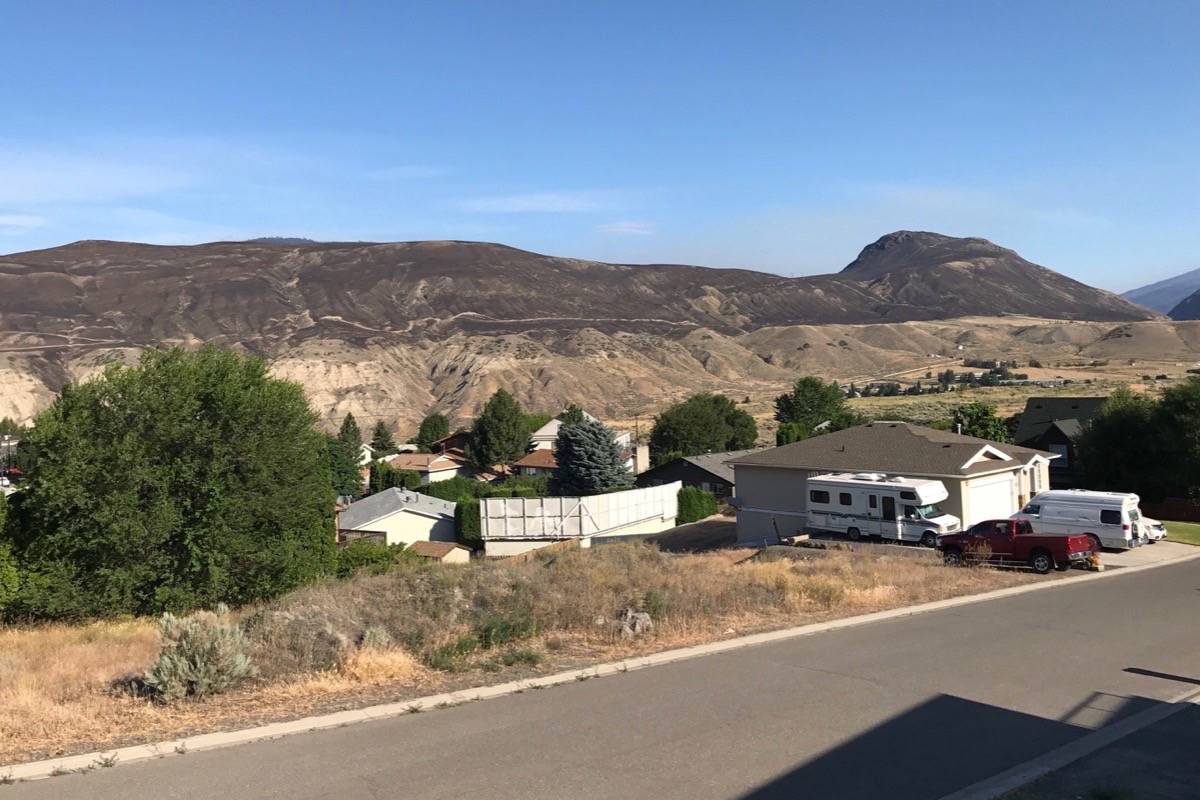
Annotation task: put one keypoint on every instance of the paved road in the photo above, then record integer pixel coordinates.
(908, 708)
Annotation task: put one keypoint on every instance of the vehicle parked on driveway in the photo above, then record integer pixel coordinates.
(1013, 541)
(1112, 519)
(1155, 531)
(873, 504)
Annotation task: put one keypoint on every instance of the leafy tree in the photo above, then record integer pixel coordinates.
(9, 576)
(345, 450)
(589, 460)
(433, 427)
(1177, 426)
(1119, 448)
(467, 522)
(186, 481)
(791, 432)
(10, 427)
(695, 504)
(980, 420)
(500, 434)
(811, 402)
(384, 476)
(535, 421)
(573, 415)
(381, 439)
(704, 423)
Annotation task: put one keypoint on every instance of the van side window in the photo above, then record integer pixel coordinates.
(1110, 517)
(908, 496)
(844, 499)
(872, 501)
(818, 496)
(1033, 509)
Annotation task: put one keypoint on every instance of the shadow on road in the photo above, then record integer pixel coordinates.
(936, 748)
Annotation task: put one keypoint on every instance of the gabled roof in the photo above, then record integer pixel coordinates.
(895, 448)
(541, 459)
(426, 462)
(438, 550)
(362, 513)
(1040, 412)
(715, 463)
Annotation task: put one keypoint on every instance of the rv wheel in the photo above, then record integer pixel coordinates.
(854, 534)
(929, 539)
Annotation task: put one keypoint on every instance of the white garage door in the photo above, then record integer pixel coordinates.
(990, 498)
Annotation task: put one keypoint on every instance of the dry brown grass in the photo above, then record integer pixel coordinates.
(450, 627)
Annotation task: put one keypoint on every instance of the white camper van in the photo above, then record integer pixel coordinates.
(872, 504)
(1111, 518)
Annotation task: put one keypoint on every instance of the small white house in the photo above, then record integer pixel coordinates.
(433, 467)
(399, 516)
(637, 457)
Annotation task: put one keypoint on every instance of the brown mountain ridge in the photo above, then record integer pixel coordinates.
(397, 329)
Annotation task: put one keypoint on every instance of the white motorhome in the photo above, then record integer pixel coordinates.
(1113, 519)
(873, 504)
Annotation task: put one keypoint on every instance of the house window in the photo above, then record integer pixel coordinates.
(818, 496)
(1064, 456)
(844, 499)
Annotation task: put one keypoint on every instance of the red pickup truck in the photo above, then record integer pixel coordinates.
(1012, 541)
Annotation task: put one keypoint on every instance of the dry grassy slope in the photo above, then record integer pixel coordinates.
(621, 375)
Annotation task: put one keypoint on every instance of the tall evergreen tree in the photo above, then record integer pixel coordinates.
(589, 460)
(499, 435)
(345, 450)
(381, 439)
(433, 427)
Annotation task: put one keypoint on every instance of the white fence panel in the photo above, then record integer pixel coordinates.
(503, 518)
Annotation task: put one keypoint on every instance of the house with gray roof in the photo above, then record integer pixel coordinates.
(708, 471)
(985, 479)
(398, 516)
(1053, 424)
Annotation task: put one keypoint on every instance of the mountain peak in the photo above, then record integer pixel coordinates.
(918, 250)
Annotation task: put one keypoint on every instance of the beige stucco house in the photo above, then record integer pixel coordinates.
(399, 516)
(985, 480)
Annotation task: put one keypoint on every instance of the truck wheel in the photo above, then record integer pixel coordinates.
(1041, 562)
(929, 539)
(952, 558)
(853, 534)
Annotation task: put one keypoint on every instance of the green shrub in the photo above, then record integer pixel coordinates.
(373, 556)
(695, 504)
(455, 489)
(376, 637)
(202, 654)
(466, 519)
(9, 577)
(498, 629)
(521, 656)
(452, 657)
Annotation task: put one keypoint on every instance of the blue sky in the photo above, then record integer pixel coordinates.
(777, 136)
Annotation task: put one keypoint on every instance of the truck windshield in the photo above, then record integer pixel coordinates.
(929, 511)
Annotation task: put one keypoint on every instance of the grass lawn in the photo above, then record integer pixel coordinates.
(1186, 532)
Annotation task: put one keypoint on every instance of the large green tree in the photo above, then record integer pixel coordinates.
(810, 403)
(187, 480)
(382, 442)
(981, 421)
(345, 450)
(589, 460)
(433, 427)
(1177, 427)
(500, 434)
(704, 423)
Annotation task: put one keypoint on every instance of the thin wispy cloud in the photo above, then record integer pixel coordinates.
(541, 203)
(406, 172)
(628, 228)
(21, 221)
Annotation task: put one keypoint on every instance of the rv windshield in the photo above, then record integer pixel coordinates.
(929, 511)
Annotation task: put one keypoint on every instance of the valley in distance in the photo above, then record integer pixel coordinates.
(395, 331)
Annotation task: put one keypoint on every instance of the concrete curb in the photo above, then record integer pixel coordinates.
(86, 762)
(1010, 780)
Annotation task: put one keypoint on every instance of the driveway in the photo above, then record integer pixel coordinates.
(911, 708)
(1156, 553)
